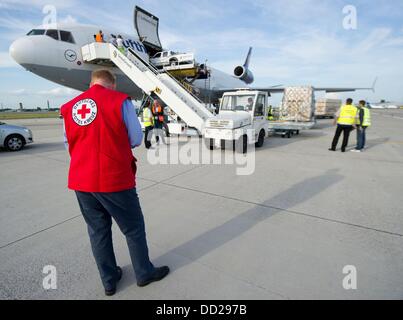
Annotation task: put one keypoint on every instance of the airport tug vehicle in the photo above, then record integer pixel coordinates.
(241, 121)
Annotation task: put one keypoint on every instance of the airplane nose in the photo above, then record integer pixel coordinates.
(22, 51)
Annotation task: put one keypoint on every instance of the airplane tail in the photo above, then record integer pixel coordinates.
(246, 65)
(242, 72)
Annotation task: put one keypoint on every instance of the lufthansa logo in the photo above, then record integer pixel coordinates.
(70, 55)
(84, 112)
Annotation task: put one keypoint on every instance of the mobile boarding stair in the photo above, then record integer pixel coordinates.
(183, 103)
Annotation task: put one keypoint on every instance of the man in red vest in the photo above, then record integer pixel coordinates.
(101, 128)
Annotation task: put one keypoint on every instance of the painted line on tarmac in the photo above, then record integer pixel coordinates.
(289, 211)
(40, 231)
(80, 215)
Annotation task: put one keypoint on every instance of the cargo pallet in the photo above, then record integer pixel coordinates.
(289, 129)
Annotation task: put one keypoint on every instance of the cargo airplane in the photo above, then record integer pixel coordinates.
(54, 53)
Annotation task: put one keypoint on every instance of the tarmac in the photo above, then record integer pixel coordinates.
(285, 232)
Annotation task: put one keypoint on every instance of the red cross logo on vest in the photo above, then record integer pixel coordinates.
(85, 112)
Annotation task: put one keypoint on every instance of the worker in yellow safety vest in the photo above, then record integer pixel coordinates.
(363, 122)
(270, 115)
(148, 121)
(346, 120)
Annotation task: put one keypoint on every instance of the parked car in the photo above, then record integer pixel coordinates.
(170, 58)
(14, 138)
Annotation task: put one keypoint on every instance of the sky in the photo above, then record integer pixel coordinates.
(296, 42)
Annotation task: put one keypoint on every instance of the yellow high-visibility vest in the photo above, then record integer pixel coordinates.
(348, 115)
(270, 114)
(367, 118)
(147, 118)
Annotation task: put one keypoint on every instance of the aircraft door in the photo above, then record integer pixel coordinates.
(147, 25)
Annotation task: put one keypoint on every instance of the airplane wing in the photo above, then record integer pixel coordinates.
(348, 89)
(280, 89)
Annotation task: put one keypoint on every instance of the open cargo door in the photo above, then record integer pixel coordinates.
(147, 25)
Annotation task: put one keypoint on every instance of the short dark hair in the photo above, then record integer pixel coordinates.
(349, 101)
(363, 102)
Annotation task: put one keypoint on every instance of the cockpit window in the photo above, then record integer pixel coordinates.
(36, 32)
(66, 36)
(53, 34)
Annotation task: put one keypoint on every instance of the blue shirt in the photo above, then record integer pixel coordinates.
(132, 124)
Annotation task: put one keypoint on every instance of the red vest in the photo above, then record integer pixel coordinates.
(101, 156)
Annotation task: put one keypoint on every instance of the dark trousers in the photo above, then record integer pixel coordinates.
(158, 131)
(346, 135)
(361, 137)
(147, 136)
(98, 210)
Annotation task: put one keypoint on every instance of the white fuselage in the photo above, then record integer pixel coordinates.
(61, 61)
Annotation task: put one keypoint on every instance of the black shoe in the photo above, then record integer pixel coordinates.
(331, 149)
(343, 150)
(112, 291)
(159, 274)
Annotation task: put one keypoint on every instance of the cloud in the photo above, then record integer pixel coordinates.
(395, 42)
(19, 4)
(58, 92)
(68, 19)
(19, 92)
(13, 23)
(6, 61)
(375, 38)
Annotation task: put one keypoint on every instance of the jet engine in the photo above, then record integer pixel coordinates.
(244, 74)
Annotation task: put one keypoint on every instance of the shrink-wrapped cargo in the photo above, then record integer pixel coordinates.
(298, 104)
(327, 107)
